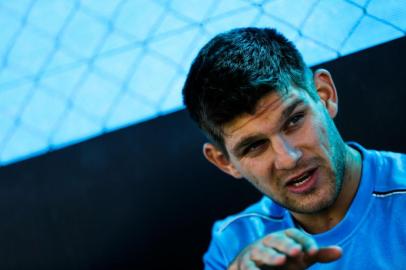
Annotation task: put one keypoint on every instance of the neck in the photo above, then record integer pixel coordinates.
(328, 218)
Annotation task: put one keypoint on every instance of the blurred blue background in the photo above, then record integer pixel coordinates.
(72, 70)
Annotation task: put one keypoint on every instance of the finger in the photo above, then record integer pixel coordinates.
(324, 255)
(250, 265)
(243, 263)
(246, 263)
(306, 241)
(329, 254)
(264, 256)
(283, 244)
(233, 266)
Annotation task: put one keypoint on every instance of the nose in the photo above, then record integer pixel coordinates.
(286, 155)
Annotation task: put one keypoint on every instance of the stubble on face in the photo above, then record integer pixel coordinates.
(326, 153)
(330, 168)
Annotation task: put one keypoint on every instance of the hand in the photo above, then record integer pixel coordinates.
(289, 249)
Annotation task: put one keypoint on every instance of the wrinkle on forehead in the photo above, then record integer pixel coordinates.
(264, 106)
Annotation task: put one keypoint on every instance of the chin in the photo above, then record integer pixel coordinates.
(312, 203)
(313, 209)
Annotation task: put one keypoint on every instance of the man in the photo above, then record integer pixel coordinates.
(269, 120)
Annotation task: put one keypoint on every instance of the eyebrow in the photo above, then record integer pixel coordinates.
(291, 107)
(245, 141)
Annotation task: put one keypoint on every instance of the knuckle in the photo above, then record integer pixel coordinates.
(294, 231)
(245, 263)
(278, 239)
(255, 254)
(274, 237)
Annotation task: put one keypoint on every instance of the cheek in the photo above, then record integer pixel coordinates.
(311, 134)
(320, 129)
(326, 139)
(254, 168)
(256, 171)
(313, 138)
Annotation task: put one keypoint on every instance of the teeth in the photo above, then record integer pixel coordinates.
(300, 180)
(303, 177)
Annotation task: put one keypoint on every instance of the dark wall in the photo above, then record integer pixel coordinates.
(372, 95)
(144, 197)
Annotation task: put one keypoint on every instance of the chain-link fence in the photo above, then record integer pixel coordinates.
(70, 70)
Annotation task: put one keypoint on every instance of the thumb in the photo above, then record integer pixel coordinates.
(327, 254)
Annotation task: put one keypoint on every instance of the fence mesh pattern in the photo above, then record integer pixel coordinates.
(71, 70)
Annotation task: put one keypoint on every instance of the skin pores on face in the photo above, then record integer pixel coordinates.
(289, 138)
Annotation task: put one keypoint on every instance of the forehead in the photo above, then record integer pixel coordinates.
(269, 109)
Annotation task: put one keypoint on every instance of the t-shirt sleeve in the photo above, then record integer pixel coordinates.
(214, 258)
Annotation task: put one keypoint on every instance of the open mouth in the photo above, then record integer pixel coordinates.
(300, 180)
(303, 182)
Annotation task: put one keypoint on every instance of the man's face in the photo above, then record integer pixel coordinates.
(290, 150)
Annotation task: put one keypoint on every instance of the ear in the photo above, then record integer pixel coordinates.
(220, 160)
(326, 90)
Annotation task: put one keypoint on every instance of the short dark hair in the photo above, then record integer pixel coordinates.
(234, 70)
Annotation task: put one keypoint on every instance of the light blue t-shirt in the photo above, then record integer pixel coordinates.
(372, 234)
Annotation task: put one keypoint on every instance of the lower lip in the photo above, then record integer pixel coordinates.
(306, 186)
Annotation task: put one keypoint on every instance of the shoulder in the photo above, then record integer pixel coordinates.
(392, 174)
(386, 169)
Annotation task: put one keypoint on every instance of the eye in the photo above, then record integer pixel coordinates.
(295, 120)
(254, 147)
